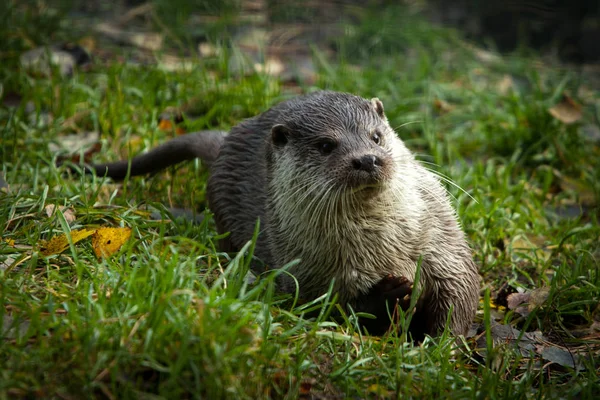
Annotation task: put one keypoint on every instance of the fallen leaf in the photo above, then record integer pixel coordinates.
(380, 391)
(68, 213)
(561, 356)
(514, 300)
(507, 335)
(60, 243)
(167, 126)
(442, 106)
(107, 241)
(531, 300)
(567, 111)
(538, 297)
(305, 387)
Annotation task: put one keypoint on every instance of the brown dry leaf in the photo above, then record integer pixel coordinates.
(539, 297)
(107, 241)
(68, 213)
(442, 106)
(514, 300)
(305, 388)
(60, 243)
(567, 111)
(167, 126)
(525, 303)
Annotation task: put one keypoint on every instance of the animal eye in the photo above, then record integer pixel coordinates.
(376, 137)
(326, 146)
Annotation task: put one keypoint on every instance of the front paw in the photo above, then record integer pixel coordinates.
(394, 290)
(381, 301)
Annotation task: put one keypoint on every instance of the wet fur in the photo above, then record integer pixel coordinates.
(347, 224)
(307, 213)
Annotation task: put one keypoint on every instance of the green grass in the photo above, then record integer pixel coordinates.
(171, 317)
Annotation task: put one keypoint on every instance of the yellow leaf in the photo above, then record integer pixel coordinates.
(80, 234)
(379, 390)
(107, 241)
(60, 243)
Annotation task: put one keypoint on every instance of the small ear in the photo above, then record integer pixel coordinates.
(378, 106)
(279, 135)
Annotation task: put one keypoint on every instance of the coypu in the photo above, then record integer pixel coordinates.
(334, 187)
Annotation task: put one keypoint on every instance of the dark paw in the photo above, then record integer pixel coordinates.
(381, 301)
(395, 290)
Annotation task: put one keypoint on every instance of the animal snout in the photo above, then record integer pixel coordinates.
(366, 163)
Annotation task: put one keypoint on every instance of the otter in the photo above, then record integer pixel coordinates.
(335, 188)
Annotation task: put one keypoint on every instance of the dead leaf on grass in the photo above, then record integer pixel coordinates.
(514, 300)
(442, 106)
(559, 355)
(60, 243)
(524, 303)
(567, 111)
(169, 126)
(107, 241)
(68, 212)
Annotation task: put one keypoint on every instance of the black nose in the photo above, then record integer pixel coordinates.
(366, 163)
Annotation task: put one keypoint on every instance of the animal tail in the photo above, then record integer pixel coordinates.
(203, 144)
